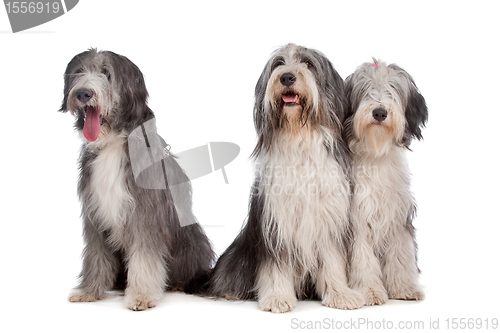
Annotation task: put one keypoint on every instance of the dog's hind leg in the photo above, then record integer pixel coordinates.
(191, 253)
(100, 267)
(192, 258)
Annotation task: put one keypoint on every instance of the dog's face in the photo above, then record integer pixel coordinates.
(385, 107)
(298, 88)
(104, 91)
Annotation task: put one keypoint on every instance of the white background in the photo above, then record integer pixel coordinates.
(201, 61)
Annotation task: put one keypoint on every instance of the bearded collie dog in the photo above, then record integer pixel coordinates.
(133, 235)
(293, 244)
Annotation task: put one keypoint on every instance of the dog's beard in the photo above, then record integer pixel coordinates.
(293, 113)
(290, 109)
(293, 119)
(379, 138)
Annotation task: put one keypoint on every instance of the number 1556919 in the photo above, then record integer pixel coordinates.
(16, 7)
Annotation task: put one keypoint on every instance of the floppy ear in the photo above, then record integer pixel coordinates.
(131, 82)
(133, 92)
(415, 112)
(356, 86)
(352, 101)
(64, 104)
(348, 95)
(258, 110)
(260, 118)
(335, 91)
(68, 75)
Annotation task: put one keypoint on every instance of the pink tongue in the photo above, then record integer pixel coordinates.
(92, 126)
(289, 98)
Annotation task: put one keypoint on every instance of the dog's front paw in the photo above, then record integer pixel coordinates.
(345, 300)
(80, 295)
(409, 293)
(278, 304)
(375, 296)
(139, 302)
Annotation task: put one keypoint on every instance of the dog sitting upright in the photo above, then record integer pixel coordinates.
(292, 245)
(133, 234)
(386, 111)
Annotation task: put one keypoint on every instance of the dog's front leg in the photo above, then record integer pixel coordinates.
(400, 270)
(275, 287)
(100, 266)
(331, 282)
(365, 272)
(146, 278)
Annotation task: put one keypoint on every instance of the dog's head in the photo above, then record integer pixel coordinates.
(105, 91)
(385, 108)
(298, 89)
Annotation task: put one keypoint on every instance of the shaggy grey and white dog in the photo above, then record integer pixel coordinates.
(293, 243)
(133, 236)
(386, 111)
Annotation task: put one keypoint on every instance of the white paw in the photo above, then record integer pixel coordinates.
(80, 295)
(375, 296)
(346, 300)
(411, 292)
(139, 302)
(278, 304)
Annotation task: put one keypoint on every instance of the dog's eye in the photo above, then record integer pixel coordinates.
(309, 64)
(106, 72)
(79, 71)
(277, 63)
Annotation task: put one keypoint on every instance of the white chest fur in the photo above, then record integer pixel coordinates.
(110, 198)
(307, 196)
(382, 196)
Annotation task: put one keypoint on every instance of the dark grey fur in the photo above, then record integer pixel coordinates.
(331, 88)
(153, 224)
(234, 275)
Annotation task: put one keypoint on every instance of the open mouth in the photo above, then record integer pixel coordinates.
(93, 123)
(290, 99)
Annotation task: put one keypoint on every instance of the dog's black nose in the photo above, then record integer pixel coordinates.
(379, 114)
(287, 79)
(84, 95)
